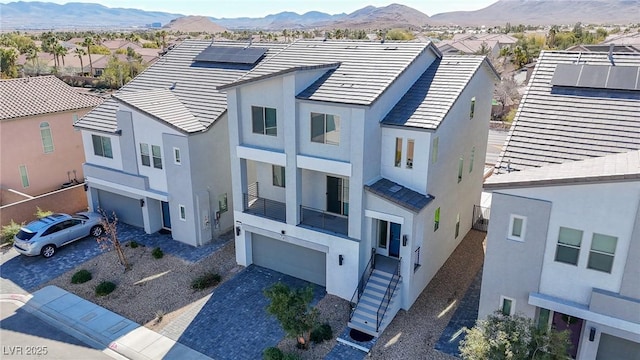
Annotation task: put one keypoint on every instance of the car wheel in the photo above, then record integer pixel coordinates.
(96, 231)
(48, 251)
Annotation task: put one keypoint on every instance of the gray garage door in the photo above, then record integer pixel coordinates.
(612, 347)
(127, 209)
(289, 259)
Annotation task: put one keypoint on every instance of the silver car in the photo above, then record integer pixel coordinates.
(44, 236)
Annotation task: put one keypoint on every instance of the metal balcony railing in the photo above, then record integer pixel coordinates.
(324, 220)
(267, 208)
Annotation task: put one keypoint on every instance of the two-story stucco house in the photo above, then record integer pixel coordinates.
(356, 165)
(563, 244)
(157, 151)
(39, 149)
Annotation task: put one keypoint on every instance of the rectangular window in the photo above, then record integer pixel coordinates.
(45, 135)
(543, 319)
(398, 159)
(517, 227)
(382, 234)
(183, 212)
(24, 176)
(222, 203)
(568, 248)
(177, 159)
(434, 150)
(473, 107)
(507, 306)
(102, 146)
(264, 120)
(472, 159)
(603, 249)
(325, 129)
(145, 157)
(460, 166)
(278, 175)
(410, 146)
(436, 219)
(457, 225)
(156, 153)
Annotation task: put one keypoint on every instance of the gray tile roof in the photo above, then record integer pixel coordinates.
(616, 167)
(194, 89)
(430, 98)
(163, 105)
(400, 195)
(40, 95)
(363, 70)
(556, 127)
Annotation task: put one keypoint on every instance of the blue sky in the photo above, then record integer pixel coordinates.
(259, 8)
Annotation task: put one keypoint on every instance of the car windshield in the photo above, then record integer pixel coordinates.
(24, 235)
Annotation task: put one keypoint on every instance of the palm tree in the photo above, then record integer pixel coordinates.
(79, 53)
(163, 35)
(60, 51)
(88, 41)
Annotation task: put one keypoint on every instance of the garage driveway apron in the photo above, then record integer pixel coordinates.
(30, 273)
(233, 323)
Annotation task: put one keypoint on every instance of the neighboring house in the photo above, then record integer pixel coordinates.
(470, 47)
(39, 149)
(158, 151)
(563, 244)
(356, 165)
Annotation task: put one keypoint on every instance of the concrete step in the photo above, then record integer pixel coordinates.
(365, 328)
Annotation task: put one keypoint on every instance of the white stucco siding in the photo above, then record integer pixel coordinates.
(340, 151)
(414, 178)
(269, 94)
(264, 177)
(149, 131)
(608, 209)
(92, 158)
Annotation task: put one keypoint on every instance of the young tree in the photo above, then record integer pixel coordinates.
(293, 311)
(513, 338)
(88, 41)
(8, 63)
(110, 237)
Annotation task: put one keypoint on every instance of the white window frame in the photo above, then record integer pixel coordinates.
(282, 172)
(265, 130)
(182, 212)
(177, 156)
(397, 153)
(325, 139)
(145, 153)
(24, 176)
(158, 157)
(45, 132)
(594, 251)
(102, 141)
(523, 231)
(411, 148)
(513, 305)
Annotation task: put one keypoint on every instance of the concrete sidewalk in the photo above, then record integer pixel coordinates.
(99, 327)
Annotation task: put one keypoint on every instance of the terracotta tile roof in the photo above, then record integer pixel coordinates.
(40, 95)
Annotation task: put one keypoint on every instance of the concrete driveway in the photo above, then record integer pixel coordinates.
(233, 323)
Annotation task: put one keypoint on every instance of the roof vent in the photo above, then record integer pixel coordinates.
(395, 188)
(173, 86)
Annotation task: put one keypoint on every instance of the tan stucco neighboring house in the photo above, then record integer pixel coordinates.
(39, 148)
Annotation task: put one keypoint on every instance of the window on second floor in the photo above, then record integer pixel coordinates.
(45, 135)
(145, 156)
(177, 159)
(410, 149)
(278, 175)
(460, 167)
(156, 153)
(517, 227)
(325, 128)
(568, 248)
(24, 177)
(434, 150)
(603, 250)
(102, 146)
(473, 107)
(264, 121)
(398, 156)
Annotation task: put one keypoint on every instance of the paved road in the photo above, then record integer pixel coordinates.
(494, 145)
(24, 336)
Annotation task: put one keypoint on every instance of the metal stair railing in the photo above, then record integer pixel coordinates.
(382, 309)
(362, 283)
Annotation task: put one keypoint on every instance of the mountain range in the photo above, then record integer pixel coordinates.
(43, 15)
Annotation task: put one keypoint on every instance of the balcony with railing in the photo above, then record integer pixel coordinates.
(324, 221)
(267, 208)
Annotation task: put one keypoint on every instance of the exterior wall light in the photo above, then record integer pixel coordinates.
(340, 259)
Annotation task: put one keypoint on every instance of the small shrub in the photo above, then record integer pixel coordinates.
(157, 253)
(81, 276)
(9, 231)
(133, 244)
(321, 333)
(42, 213)
(272, 353)
(105, 288)
(291, 356)
(205, 281)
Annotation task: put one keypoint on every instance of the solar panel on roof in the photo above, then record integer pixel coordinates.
(231, 55)
(566, 75)
(593, 76)
(623, 78)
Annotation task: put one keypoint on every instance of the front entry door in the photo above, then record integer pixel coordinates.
(388, 234)
(166, 217)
